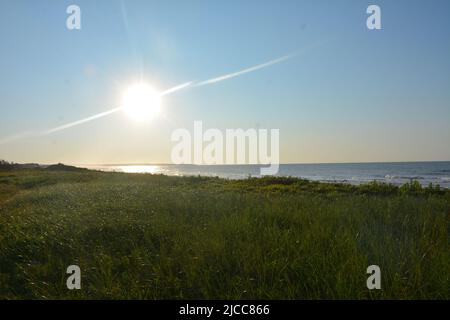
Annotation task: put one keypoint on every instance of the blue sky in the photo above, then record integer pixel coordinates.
(351, 95)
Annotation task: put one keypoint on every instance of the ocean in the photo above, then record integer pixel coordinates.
(355, 173)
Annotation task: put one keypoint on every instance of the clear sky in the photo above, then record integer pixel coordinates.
(351, 94)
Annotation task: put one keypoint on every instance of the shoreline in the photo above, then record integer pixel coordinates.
(238, 172)
(395, 173)
(410, 184)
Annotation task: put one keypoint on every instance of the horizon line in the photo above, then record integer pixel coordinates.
(244, 164)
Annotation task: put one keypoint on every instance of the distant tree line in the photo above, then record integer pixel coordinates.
(4, 165)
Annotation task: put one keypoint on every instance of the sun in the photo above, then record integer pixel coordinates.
(141, 101)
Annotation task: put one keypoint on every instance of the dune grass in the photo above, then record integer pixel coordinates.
(157, 237)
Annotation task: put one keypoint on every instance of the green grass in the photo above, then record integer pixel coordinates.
(155, 237)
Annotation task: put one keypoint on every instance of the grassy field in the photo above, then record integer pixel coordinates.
(155, 237)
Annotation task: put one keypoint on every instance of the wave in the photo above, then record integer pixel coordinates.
(393, 177)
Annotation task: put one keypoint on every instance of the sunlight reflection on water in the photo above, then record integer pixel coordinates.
(141, 169)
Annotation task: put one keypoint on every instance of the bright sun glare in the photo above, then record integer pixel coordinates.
(141, 101)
